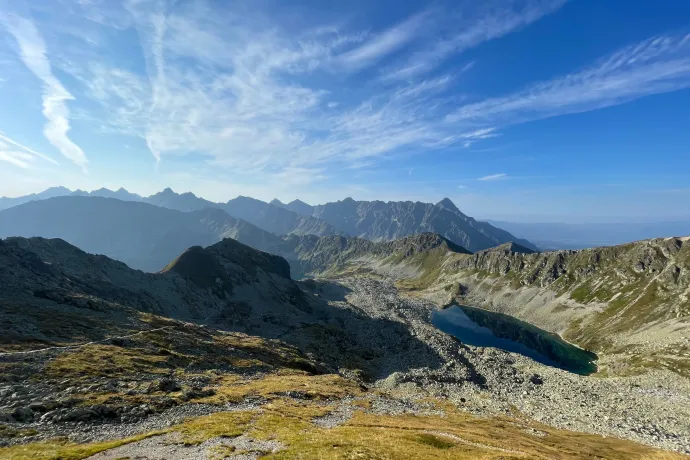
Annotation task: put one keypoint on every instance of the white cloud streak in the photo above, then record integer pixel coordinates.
(32, 52)
(493, 177)
(15, 158)
(6, 140)
(385, 43)
(492, 21)
(657, 65)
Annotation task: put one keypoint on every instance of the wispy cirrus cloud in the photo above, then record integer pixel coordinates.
(385, 43)
(7, 144)
(493, 177)
(244, 106)
(242, 92)
(488, 21)
(32, 52)
(656, 65)
(293, 176)
(16, 158)
(19, 155)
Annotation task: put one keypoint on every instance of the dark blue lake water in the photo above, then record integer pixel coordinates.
(510, 334)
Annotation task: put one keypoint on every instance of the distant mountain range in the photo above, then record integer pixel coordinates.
(373, 220)
(6, 202)
(143, 236)
(147, 237)
(381, 221)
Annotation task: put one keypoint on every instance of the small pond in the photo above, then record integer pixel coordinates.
(482, 328)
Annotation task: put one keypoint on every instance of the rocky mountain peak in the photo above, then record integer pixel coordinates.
(231, 251)
(300, 207)
(54, 190)
(446, 203)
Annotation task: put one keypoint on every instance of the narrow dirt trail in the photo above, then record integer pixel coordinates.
(41, 350)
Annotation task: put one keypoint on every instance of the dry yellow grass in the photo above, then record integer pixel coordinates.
(319, 387)
(456, 435)
(221, 424)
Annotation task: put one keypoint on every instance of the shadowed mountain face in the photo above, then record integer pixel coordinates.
(298, 206)
(143, 236)
(228, 285)
(199, 284)
(276, 219)
(310, 255)
(380, 221)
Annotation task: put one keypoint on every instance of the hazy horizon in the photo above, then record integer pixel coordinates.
(564, 219)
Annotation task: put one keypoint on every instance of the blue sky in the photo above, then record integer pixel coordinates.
(525, 110)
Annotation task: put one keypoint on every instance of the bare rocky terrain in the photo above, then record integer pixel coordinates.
(223, 355)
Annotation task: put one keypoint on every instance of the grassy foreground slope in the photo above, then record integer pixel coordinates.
(292, 403)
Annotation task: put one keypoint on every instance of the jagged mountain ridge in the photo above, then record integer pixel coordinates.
(298, 206)
(380, 221)
(310, 255)
(374, 220)
(179, 201)
(147, 237)
(267, 216)
(120, 194)
(275, 219)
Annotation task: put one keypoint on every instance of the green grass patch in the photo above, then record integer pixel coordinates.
(221, 424)
(434, 441)
(60, 449)
(7, 431)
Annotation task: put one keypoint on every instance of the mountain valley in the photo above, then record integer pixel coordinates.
(235, 342)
